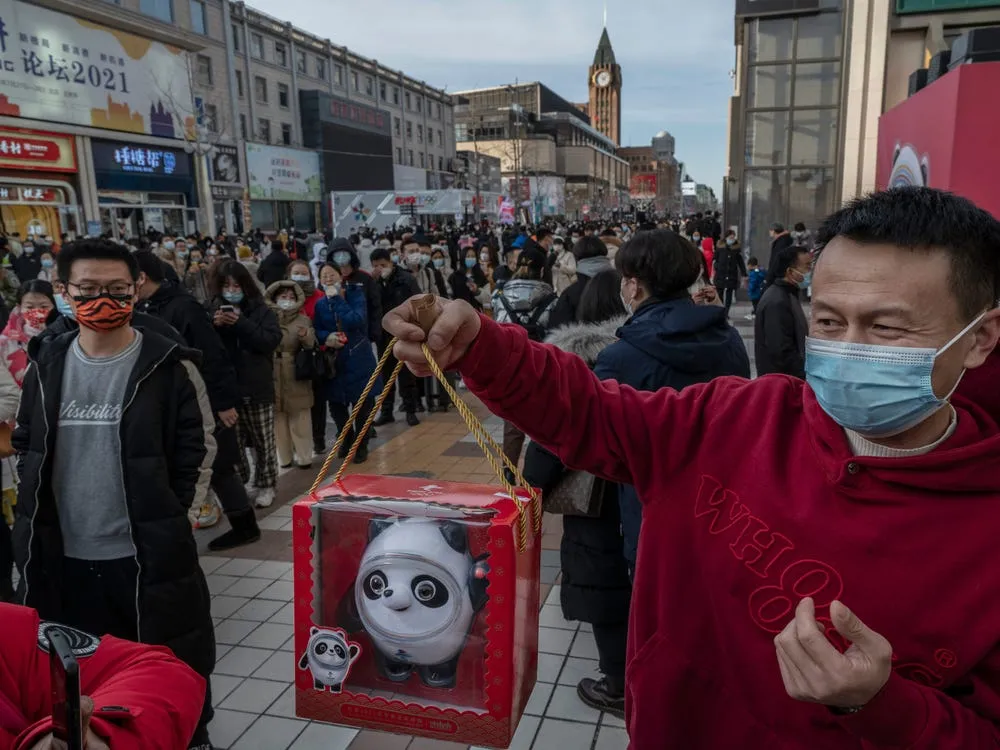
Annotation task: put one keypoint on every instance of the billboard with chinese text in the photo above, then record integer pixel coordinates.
(283, 174)
(58, 68)
(643, 186)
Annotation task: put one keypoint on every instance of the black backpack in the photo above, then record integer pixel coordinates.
(529, 321)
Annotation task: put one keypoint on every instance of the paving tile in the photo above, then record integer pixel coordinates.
(551, 557)
(258, 610)
(270, 635)
(554, 733)
(283, 591)
(539, 699)
(272, 569)
(554, 641)
(279, 666)
(285, 615)
(549, 574)
(223, 606)
(223, 685)
(612, 721)
(584, 647)
(524, 736)
(325, 737)
(227, 726)
(552, 617)
(372, 740)
(576, 669)
(232, 632)
(566, 704)
(217, 584)
(611, 738)
(425, 743)
(210, 564)
(242, 661)
(284, 705)
(549, 667)
(270, 733)
(221, 650)
(237, 567)
(273, 523)
(249, 587)
(284, 511)
(253, 695)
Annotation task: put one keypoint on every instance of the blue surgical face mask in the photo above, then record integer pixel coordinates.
(876, 391)
(233, 297)
(394, 257)
(64, 307)
(341, 258)
(806, 280)
(470, 262)
(439, 262)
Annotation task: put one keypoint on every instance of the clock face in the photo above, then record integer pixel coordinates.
(603, 79)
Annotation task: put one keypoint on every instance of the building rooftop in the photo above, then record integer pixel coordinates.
(605, 55)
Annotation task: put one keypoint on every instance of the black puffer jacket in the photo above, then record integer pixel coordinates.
(595, 581)
(182, 312)
(398, 288)
(166, 434)
(251, 342)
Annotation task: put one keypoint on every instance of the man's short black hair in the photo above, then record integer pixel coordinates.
(777, 227)
(665, 263)
(381, 253)
(542, 233)
(921, 218)
(150, 265)
(785, 259)
(94, 249)
(589, 246)
(800, 227)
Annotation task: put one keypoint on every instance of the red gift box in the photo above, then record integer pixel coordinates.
(416, 607)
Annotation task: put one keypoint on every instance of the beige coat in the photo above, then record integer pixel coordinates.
(290, 395)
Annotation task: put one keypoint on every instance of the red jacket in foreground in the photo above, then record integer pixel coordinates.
(144, 698)
(752, 500)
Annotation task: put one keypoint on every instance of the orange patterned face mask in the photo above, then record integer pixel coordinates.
(104, 313)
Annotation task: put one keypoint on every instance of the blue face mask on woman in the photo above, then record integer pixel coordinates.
(876, 391)
(233, 297)
(470, 262)
(64, 307)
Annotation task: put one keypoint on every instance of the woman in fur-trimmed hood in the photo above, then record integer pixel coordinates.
(595, 581)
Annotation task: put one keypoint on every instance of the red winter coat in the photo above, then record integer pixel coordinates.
(144, 698)
(730, 546)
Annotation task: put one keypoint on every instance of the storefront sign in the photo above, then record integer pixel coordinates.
(227, 192)
(38, 152)
(224, 165)
(774, 7)
(29, 194)
(130, 158)
(355, 115)
(58, 68)
(283, 174)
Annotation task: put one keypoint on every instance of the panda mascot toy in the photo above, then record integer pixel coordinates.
(329, 657)
(417, 594)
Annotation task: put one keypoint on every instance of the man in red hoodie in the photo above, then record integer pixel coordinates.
(862, 487)
(136, 697)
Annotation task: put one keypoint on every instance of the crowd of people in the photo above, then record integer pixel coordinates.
(187, 372)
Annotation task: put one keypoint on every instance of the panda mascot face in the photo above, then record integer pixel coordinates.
(329, 657)
(417, 594)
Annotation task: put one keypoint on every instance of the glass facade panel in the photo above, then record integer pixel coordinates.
(161, 9)
(769, 86)
(819, 36)
(814, 136)
(817, 84)
(765, 202)
(771, 39)
(767, 139)
(811, 198)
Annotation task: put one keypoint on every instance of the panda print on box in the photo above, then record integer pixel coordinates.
(329, 657)
(417, 595)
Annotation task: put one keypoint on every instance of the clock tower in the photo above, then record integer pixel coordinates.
(606, 91)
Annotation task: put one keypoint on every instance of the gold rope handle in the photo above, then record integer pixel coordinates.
(425, 309)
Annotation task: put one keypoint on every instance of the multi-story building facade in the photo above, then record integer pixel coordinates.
(655, 175)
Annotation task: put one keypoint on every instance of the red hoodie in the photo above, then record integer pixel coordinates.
(752, 500)
(144, 698)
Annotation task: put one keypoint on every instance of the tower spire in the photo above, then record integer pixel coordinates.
(605, 14)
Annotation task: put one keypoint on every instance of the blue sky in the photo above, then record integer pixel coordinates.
(676, 55)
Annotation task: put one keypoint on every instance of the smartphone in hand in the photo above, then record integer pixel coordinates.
(227, 308)
(67, 718)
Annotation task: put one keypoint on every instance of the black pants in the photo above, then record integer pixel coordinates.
(99, 597)
(755, 302)
(611, 641)
(225, 473)
(408, 387)
(319, 414)
(728, 297)
(341, 413)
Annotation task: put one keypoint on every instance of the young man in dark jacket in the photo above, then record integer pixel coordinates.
(396, 285)
(780, 327)
(114, 438)
(172, 304)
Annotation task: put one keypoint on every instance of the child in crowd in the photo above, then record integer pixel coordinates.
(755, 284)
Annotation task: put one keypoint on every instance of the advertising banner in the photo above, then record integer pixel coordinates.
(224, 165)
(643, 186)
(59, 68)
(937, 137)
(35, 151)
(283, 174)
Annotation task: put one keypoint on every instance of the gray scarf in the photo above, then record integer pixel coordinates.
(590, 267)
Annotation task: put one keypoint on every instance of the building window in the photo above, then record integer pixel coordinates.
(395, 95)
(423, 160)
(769, 86)
(199, 23)
(338, 75)
(395, 126)
(257, 46)
(283, 95)
(281, 54)
(409, 130)
(399, 155)
(260, 89)
(409, 156)
(243, 126)
(440, 137)
(409, 102)
(369, 86)
(300, 62)
(203, 67)
(420, 133)
(771, 39)
(210, 118)
(263, 130)
(420, 104)
(321, 68)
(286, 134)
(440, 164)
(354, 81)
(383, 90)
(239, 84)
(237, 38)
(161, 9)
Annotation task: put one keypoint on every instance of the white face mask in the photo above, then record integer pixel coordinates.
(287, 304)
